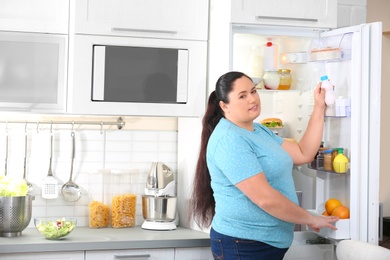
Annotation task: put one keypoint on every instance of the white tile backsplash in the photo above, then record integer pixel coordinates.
(131, 150)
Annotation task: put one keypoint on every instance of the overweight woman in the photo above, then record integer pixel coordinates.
(243, 187)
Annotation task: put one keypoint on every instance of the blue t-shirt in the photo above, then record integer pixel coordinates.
(235, 154)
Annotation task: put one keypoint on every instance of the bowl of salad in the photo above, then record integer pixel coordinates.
(55, 228)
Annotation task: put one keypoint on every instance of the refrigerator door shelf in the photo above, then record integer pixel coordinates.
(342, 226)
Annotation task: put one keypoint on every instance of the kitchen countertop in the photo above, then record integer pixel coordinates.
(85, 239)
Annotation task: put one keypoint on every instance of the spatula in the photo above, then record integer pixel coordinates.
(50, 183)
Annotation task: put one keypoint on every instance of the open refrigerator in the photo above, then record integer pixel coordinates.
(354, 68)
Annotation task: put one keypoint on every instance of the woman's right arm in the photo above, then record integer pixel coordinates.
(258, 190)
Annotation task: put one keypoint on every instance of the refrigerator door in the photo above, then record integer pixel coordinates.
(365, 96)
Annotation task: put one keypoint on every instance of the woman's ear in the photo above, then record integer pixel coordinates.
(223, 106)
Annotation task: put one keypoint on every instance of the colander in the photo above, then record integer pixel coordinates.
(15, 215)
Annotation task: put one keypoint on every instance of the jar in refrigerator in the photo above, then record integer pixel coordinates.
(285, 79)
(320, 158)
(328, 160)
(271, 79)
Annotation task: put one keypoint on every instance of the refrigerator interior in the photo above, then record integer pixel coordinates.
(294, 106)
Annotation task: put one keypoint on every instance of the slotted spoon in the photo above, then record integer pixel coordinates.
(50, 183)
(70, 190)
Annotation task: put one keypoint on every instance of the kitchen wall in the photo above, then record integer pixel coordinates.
(142, 141)
(132, 150)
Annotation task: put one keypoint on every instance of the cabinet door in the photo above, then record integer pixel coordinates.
(139, 254)
(308, 13)
(198, 253)
(46, 16)
(76, 255)
(177, 19)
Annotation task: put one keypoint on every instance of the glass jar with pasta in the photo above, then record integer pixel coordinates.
(123, 199)
(99, 209)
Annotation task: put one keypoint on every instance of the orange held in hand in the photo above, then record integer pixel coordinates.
(331, 204)
(341, 211)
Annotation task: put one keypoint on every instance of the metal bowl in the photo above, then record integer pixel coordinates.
(15, 215)
(159, 208)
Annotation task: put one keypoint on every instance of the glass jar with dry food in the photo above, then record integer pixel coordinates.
(123, 199)
(99, 209)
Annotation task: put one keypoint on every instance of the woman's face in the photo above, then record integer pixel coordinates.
(244, 103)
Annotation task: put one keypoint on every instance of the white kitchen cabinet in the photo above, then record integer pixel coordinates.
(75, 255)
(195, 253)
(139, 254)
(312, 13)
(44, 16)
(175, 19)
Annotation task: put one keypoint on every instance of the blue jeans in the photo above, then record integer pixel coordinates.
(231, 248)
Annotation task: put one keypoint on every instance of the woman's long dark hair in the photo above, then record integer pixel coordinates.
(202, 203)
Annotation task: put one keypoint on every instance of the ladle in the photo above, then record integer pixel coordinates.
(70, 190)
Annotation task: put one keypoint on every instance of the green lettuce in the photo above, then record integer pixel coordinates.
(10, 187)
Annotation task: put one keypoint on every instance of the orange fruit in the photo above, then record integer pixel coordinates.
(341, 211)
(331, 204)
(325, 213)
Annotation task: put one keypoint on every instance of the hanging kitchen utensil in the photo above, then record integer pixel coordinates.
(50, 183)
(30, 186)
(70, 190)
(6, 153)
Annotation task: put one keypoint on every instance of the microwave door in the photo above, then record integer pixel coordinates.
(140, 74)
(182, 77)
(98, 73)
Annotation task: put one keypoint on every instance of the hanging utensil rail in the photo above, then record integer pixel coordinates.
(119, 123)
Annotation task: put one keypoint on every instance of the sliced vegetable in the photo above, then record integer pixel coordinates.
(10, 186)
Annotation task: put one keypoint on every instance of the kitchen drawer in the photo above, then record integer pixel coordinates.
(198, 253)
(140, 254)
(76, 255)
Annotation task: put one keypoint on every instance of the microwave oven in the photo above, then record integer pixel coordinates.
(133, 76)
(33, 72)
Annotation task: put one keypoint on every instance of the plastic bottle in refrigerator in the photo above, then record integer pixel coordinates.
(340, 162)
(270, 56)
(329, 95)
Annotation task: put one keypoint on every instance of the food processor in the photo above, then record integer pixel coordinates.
(159, 202)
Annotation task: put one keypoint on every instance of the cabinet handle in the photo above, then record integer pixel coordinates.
(143, 30)
(285, 18)
(131, 256)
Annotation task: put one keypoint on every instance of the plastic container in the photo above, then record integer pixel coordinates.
(285, 79)
(330, 97)
(255, 64)
(340, 162)
(271, 79)
(270, 55)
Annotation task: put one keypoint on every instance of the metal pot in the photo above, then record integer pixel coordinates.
(15, 215)
(159, 208)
